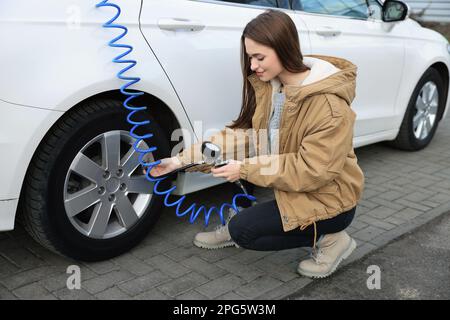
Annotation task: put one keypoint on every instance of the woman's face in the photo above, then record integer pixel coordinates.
(263, 60)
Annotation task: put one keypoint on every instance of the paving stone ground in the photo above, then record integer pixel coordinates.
(404, 190)
(415, 266)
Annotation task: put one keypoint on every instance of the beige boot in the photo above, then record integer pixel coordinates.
(331, 250)
(219, 238)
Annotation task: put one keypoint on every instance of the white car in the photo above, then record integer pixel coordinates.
(67, 165)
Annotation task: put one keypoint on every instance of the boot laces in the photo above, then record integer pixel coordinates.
(316, 255)
(317, 252)
(220, 228)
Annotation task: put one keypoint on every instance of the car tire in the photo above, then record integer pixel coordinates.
(47, 199)
(412, 136)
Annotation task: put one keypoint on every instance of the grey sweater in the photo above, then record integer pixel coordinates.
(274, 122)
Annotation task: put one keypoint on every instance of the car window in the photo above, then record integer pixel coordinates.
(375, 9)
(263, 3)
(347, 8)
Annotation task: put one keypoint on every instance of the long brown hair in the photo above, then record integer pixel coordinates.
(274, 29)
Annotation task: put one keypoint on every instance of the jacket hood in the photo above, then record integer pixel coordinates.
(329, 75)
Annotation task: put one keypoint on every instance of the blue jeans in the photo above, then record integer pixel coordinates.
(260, 228)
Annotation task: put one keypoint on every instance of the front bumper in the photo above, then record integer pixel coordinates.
(7, 214)
(21, 131)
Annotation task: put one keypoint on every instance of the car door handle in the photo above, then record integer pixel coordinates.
(174, 24)
(328, 32)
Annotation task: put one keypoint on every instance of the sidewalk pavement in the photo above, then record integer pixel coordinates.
(404, 190)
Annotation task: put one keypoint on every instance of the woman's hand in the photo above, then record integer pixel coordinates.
(167, 165)
(230, 171)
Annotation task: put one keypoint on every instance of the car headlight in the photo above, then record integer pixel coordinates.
(448, 48)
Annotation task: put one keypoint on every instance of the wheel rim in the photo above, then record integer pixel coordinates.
(105, 194)
(426, 109)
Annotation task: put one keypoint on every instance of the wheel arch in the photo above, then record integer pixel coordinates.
(160, 111)
(443, 70)
(402, 141)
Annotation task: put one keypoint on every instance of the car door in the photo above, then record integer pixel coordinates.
(198, 46)
(353, 29)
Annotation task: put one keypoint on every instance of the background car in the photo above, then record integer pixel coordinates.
(68, 169)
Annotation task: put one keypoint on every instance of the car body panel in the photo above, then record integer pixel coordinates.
(8, 214)
(376, 85)
(205, 66)
(63, 62)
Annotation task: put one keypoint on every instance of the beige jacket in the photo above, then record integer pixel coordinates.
(315, 174)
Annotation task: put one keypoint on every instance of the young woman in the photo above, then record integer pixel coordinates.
(304, 104)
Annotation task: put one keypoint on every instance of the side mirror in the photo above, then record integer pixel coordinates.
(394, 10)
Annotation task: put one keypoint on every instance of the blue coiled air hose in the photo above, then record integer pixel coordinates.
(136, 124)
